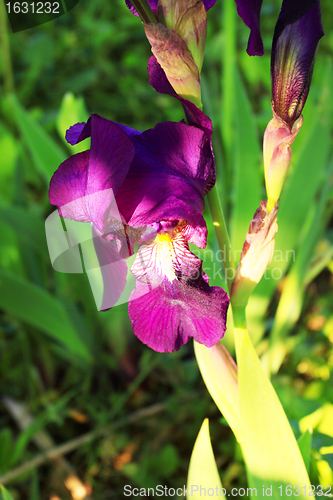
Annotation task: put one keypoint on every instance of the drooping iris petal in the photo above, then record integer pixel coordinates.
(172, 300)
(165, 317)
(296, 37)
(87, 182)
(168, 176)
(249, 11)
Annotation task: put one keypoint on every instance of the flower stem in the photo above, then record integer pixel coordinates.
(222, 235)
(5, 51)
(228, 79)
(143, 9)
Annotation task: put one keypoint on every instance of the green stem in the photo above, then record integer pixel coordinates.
(222, 235)
(228, 80)
(143, 9)
(5, 51)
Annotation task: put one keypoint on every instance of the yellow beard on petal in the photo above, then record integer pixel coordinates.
(165, 255)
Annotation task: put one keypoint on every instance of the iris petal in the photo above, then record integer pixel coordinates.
(295, 42)
(249, 11)
(168, 176)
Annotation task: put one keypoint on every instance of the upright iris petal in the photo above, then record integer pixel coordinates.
(296, 37)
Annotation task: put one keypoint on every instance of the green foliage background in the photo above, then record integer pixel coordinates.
(83, 374)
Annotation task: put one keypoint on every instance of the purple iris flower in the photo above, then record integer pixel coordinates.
(158, 179)
(154, 5)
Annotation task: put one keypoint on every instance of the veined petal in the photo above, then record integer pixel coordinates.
(172, 300)
(165, 317)
(165, 257)
(249, 11)
(296, 37)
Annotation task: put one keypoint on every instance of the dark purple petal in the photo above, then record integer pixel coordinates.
(152, 3)
(296, 37)
(88, 181)
(74, 132)
(168, 176)
(249, 11)
(69, 183)
(164, 318)
(113, 269)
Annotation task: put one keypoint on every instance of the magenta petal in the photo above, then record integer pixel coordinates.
(296, 37)
(69, 183)
(167, 316)
(88, 181)
(249, 11)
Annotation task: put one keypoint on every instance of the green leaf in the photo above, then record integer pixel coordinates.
(270, 450)
(28, 227)
(38, 308)
(219, 372)
(305, 445)
(248, 164)
(45, 152)
(6, 447)
(320, 420)
(203, 472)
(4, 494)
(72, 110)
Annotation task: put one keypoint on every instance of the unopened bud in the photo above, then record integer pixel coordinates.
(278, 139)
(188, 18)
(256, 255)
(176, 60)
